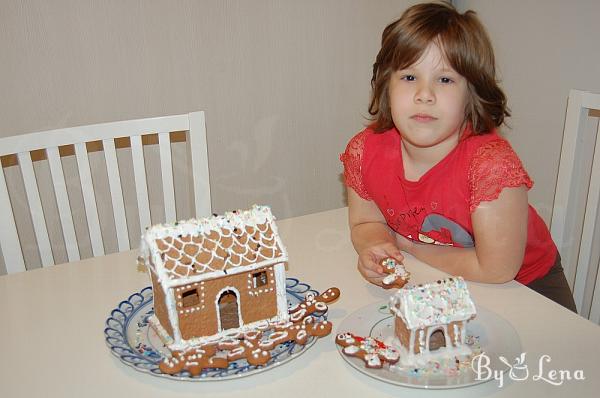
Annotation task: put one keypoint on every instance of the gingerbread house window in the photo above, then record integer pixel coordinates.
(260, 279)
(190, 298)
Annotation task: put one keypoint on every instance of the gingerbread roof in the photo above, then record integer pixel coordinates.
(436, 303)
(203, 248)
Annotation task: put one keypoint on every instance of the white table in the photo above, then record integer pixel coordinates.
(53, 320)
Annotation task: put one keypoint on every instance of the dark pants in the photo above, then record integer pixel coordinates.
(555, 287)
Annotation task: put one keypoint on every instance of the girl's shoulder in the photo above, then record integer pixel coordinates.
(369, 134)
(489, 148)
(371, 139)
(493, 166)
(486, 148)
(354, 155)
(474, 143)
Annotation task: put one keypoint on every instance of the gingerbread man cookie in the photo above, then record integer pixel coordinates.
(194, 360)
(257, 350)
(397, 275)
(248, 347)
(313, 304)
(372, 351)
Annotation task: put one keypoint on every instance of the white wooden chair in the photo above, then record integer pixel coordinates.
(578, 187)
(77, 137)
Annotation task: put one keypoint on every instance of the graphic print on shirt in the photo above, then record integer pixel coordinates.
(440, 230)
(416, 223)
(434, 229)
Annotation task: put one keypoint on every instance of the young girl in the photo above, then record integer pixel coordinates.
(431, 176)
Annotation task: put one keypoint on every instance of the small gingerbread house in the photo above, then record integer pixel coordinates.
(443, 308)
(216, 275)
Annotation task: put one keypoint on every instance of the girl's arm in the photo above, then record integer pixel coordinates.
(500, 234)
(373, 240)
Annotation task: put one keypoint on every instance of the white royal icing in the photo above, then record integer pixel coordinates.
(427, 308)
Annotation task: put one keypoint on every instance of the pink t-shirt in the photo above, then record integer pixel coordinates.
(437, 208)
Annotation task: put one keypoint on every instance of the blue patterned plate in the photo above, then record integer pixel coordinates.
(130, 339)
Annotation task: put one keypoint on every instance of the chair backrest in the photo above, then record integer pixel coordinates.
(578, 186)
(54, 142)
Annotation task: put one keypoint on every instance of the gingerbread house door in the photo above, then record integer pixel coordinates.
(228, 307)
(437, 339)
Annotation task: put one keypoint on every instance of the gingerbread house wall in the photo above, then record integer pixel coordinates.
(160, 306)
(254, 304)
(403, 334)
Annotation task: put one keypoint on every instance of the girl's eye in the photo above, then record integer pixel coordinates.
(446, 80)
(408, 78)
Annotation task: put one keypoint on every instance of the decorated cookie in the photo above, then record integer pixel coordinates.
(397, 275)
(372, 351)
(256, 348)
(193, 360)
(313, 304)
(247, 347)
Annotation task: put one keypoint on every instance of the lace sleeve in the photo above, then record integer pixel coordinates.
(352, 160)
(494, 167)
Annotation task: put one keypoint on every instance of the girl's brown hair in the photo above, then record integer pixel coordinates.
(467, 48)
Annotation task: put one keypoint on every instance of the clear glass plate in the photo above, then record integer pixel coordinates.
(488, 332)
(130, 338)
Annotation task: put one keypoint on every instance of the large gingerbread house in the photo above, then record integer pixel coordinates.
(214, 276)
(440, 308)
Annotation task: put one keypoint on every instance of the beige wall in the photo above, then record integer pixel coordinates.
(284, 84)
(543, 49)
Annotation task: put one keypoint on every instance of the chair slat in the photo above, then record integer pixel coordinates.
(35, 208)
(116, 194)
(590, 100)
(560, 226)
(89, 200)
(164, 143)
(198, 147)
(595, 180)
(587, 235)
(64, 206)
(139, 175)
(595, 306)
(9, 239)
(94, 132)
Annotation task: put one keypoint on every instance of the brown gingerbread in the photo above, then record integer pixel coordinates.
(252, 345)
(397, 275)
(193, 360)
(313, 304)
(372, 351)
(248, 347)
(257, 350)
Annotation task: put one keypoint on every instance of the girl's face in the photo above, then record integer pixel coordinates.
(428, 100)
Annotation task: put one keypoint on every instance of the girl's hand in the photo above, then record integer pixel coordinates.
(369, 261)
